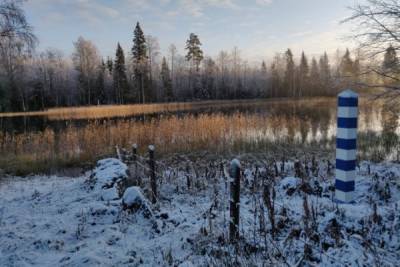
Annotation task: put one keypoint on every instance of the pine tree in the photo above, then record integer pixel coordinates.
(194, 56)
(166, 80)
(289, 79)
(120, 80)
(194, 52)
(139, 53)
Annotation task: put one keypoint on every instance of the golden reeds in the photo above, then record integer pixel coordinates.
(215, 132)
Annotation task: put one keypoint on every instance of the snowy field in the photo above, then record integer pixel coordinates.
(89, 221)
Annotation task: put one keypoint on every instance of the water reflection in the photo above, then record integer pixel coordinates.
(243, 126)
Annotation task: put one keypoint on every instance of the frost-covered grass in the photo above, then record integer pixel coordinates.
(62, 221)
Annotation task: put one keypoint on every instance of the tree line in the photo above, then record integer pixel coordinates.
(31, 80)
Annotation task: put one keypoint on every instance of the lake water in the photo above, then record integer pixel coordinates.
(223, 126)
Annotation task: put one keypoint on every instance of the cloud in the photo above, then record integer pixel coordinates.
(140, 4)
(192, 7)
(93, 11)
(172, 13)
(264, 2)
(222, 3)
(196, 8)
(105, 10)
(90, 10)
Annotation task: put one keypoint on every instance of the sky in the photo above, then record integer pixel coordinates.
(259, 28)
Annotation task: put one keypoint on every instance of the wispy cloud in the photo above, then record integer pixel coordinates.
(196, 7)
(91, 11)
(264, 2)
(256, 26)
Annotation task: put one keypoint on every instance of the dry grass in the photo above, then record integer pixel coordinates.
(216, 133)
(107, 111)
(306, 124)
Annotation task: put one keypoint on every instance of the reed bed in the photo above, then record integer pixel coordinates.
(212, 132)
(285, 128)
(109, 111)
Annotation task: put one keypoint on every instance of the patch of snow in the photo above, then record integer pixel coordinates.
(110, 173)
(110, 194)
(57, 221)
(134, 200)
(289, 182)
(132, 195)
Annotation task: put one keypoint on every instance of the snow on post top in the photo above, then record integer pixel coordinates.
(235, 163)
(134, 146)
(348, 94)
(151, 147)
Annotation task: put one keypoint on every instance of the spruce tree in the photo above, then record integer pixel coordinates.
(208, 81)
(140, 59)
(120, 80)
(315, 79)
(390, 67)
(100, 93)
(110, 65)
(325, 73)
(275, 81)
(263, 88)
(166, 80)
(356, 70)
(303, 75)
(390, 61)
(289, 79)
(263, 67)
(346, 65)
(349, 70)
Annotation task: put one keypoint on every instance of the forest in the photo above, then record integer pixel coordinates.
(39, 80)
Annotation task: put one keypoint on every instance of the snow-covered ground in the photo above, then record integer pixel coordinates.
(63, 221)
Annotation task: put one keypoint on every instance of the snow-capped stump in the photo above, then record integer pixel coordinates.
(110, 175)
(133, 200)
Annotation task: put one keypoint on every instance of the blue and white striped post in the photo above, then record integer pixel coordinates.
(346, 145)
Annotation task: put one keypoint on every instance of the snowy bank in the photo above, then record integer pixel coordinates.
(62, 221)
